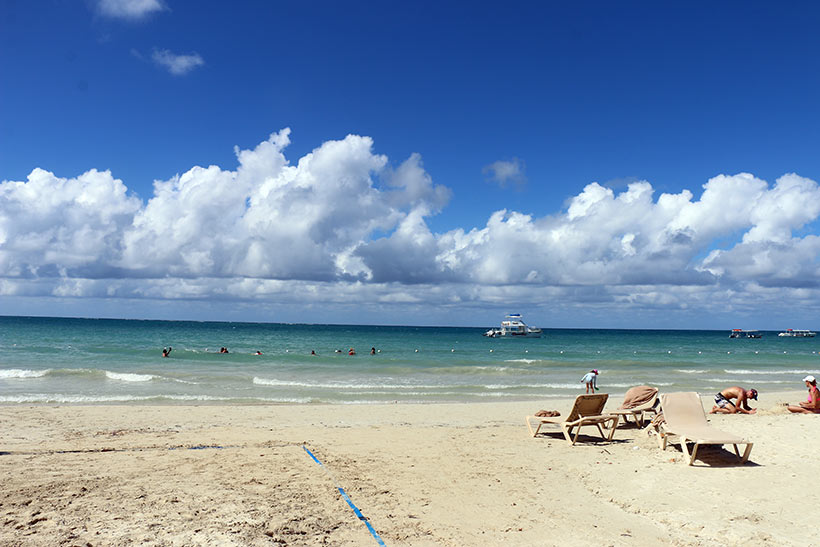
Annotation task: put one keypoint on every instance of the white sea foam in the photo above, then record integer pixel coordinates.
(532, 386)
(184, 381)
(61, 398)
(273, 382)
(692, 371)
(435, 389)
(23, 373)
(578, 385)
(340, 385)
(414, 393)
(751, 372)
(525, 361)
(88, 399)
(129, 377)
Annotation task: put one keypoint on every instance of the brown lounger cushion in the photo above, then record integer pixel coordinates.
(637, 396)
(547, 413)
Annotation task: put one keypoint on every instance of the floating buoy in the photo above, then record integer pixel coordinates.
(757, 352)
(452, 350)
(417, 351)
(668, 352)
(491, 351)
(562, 351)
(728, 352)
(700, 352)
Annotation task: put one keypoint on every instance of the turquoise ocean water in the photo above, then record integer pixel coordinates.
(99, 361)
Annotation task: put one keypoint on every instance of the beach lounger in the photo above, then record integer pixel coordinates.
(638, 401)
(586, 411)
(683, 416)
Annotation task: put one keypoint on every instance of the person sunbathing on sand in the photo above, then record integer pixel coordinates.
(724, 404)
(812, 406)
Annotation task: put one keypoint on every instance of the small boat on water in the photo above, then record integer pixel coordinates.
(513, 325)
(740, 333)
(797, 333)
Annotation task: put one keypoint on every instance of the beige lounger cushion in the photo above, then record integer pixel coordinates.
(684, 416)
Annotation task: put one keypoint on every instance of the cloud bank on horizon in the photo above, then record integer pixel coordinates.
(343, 223)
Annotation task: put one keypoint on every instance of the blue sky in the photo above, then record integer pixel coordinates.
(465, 110)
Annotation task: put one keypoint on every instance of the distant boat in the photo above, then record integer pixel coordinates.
(797, 333)
(740, 333)
(513, 325)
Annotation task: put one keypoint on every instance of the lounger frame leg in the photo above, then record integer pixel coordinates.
(685, 450)
(694, 453)
(568, 434)
(614, 425)
(537, 429)
(663, 438)
(745, 457)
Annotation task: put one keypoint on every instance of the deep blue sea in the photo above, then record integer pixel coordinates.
(99, 361)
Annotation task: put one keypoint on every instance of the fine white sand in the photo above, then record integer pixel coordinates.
(457, 475)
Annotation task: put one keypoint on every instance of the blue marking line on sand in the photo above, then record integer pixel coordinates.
(341, 490)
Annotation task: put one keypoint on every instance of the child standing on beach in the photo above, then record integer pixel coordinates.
(591, 380)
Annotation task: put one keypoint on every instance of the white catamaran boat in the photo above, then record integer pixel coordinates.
(740, 333)
(513, 325)
(797, 333)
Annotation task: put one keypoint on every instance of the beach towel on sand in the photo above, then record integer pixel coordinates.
(637, 396)
(547, 413)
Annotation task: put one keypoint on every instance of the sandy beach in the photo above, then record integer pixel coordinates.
(459, 475)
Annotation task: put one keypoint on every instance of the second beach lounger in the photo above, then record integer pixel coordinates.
(684, 417)
(587, 410)
(638, 401)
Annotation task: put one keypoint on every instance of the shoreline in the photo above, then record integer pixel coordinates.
(422, 474)
(789, 396)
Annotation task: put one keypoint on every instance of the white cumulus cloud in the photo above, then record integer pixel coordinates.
(343, 225)
(129, 9)
(505, 173)
(177, 64)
